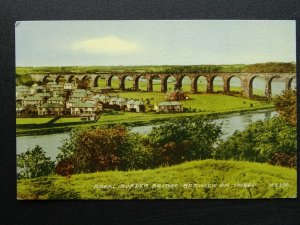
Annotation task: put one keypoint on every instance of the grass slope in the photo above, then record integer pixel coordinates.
(269, 182)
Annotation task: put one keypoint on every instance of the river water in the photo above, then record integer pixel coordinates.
(230, 123)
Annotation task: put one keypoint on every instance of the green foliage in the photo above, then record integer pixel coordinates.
(184, 139)
(24, 80)
(283, 159)
(34, 163)
(96, 149)
(259, 141)
(285, 105)
(82, 84)
(271, 67)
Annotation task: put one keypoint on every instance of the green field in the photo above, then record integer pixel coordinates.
(68, 120)
(223, 180)
(204, 102)
(33, 120)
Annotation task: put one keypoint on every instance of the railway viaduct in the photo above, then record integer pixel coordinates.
(245, 78)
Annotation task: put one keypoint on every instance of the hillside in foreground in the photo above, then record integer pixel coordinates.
(192, 180)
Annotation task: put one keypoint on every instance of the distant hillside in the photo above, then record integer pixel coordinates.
(258, 68)
(271, 68)
(269, 182)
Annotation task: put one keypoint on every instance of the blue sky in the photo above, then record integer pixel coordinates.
(179, 42)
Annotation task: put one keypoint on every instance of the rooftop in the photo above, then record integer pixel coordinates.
(171, 103)
(83, 105)
(33, 98)
(51, 105)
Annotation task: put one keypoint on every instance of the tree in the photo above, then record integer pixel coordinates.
(184, 139)
(95, 149)
(285, 104)
(260, 142)
(82, 84)
(34, 163)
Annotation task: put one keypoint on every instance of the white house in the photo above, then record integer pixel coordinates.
(22, 91)
(172, 106)
(82, 108)
(56, 99)
(32, 100)
(69, 86)
(71, 102)
(50, 109)
(104, 99)
(136, 106)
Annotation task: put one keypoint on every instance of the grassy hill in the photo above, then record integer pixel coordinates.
(210, 179)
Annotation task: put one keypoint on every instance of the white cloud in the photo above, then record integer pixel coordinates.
(107, 45)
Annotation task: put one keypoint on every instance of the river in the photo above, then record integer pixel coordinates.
(230, 123)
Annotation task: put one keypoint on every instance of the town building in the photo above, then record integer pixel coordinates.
(168, 107)
(32, 100)
(135, 106)
(19, 109)
(82, 107)
(50, 109)
(22, 91)
(69, 86)
(56, 99)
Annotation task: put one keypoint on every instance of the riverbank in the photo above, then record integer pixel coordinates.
(124, 118)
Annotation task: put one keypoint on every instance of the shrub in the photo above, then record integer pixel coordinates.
(34, 163)
(283, 159)
(94, 149)
(64, 167)
(259, 141)
(285, 104)
(184, 139)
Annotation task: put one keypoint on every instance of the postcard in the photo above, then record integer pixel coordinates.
(156, 109)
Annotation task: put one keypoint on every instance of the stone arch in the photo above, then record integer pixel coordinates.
(227, 86)
(71, 78)
(60, 79)
(137, 81)
(212, 81)
(268, 88)
(150, 83)
(45, 79)
(96, 81)
(182, 81)
(289, 82)
(109, 80)
(165, 87)
(250, 83)
(123, 82)
(199, 80)
(88, 79)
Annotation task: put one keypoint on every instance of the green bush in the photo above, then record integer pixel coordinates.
(283, 159)
(34, 163)
(259, 141)
(184, 139)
